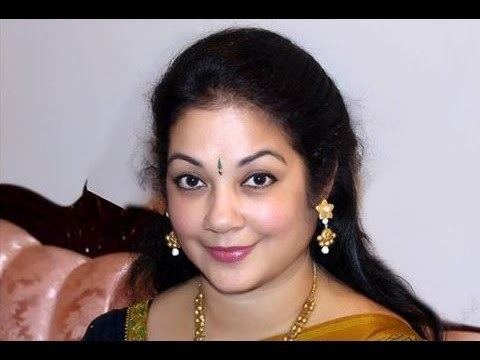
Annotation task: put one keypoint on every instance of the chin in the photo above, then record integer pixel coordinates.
(231, 282)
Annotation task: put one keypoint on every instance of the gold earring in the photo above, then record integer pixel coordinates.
(172, 240)
(172, 243)
(326, 238)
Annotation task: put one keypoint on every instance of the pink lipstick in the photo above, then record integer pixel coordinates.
(230, 254)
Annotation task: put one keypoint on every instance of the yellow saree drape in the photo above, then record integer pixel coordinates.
(358, 327)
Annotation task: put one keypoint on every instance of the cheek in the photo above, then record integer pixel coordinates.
(273, 219)
(186, 224)
(283, 213)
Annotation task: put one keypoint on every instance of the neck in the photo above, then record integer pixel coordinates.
(265, 311)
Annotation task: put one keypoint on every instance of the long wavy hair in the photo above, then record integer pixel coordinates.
(260, 67)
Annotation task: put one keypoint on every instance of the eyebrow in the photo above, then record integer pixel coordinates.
(242, 162)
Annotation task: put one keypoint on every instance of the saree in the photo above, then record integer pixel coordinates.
(130, 324)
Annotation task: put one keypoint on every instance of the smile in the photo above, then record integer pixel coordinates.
(230, 254)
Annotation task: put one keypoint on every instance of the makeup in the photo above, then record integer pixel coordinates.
(230, 254)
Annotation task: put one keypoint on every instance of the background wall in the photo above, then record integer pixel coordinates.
(74, 106)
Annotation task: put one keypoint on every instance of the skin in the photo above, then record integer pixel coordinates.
(270, 285)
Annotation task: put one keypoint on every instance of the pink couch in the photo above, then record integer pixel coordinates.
(50, 293)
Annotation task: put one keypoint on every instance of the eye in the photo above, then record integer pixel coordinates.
(259, 178)
(190, 182)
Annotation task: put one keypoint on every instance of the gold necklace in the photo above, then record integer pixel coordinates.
(292, 333)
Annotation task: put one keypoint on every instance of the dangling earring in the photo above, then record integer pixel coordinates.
(172, 241)
(326, 238)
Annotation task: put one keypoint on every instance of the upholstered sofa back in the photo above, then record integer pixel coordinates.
(50, 293)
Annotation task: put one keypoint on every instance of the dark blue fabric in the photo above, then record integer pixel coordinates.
(109, 326)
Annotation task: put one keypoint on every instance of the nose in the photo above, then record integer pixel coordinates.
(224, 214)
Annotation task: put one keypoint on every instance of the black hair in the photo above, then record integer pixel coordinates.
(260, 67)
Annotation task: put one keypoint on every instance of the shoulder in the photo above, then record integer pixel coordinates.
(108, 326)
(359, 327)
(128, 323)
(354, 316)
(388, 328)
(343, 301)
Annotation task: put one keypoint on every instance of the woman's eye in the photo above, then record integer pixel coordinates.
(189, 183)
(259, 179)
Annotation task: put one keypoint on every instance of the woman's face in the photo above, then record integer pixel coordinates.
(259, 204)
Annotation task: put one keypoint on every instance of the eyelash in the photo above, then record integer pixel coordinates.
(178, 178)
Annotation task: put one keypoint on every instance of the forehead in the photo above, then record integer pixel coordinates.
(230, 129)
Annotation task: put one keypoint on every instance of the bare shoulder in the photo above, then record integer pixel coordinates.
(170, 315)
(340, 300)
(174, 295)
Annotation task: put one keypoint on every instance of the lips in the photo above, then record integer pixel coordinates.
(230, 254)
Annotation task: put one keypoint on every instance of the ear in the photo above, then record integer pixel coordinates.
(157, 204)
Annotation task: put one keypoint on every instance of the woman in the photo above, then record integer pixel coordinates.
(255, 156)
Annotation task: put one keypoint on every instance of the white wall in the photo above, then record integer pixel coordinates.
(72, 91)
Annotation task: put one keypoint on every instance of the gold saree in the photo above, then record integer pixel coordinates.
(353, 327)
